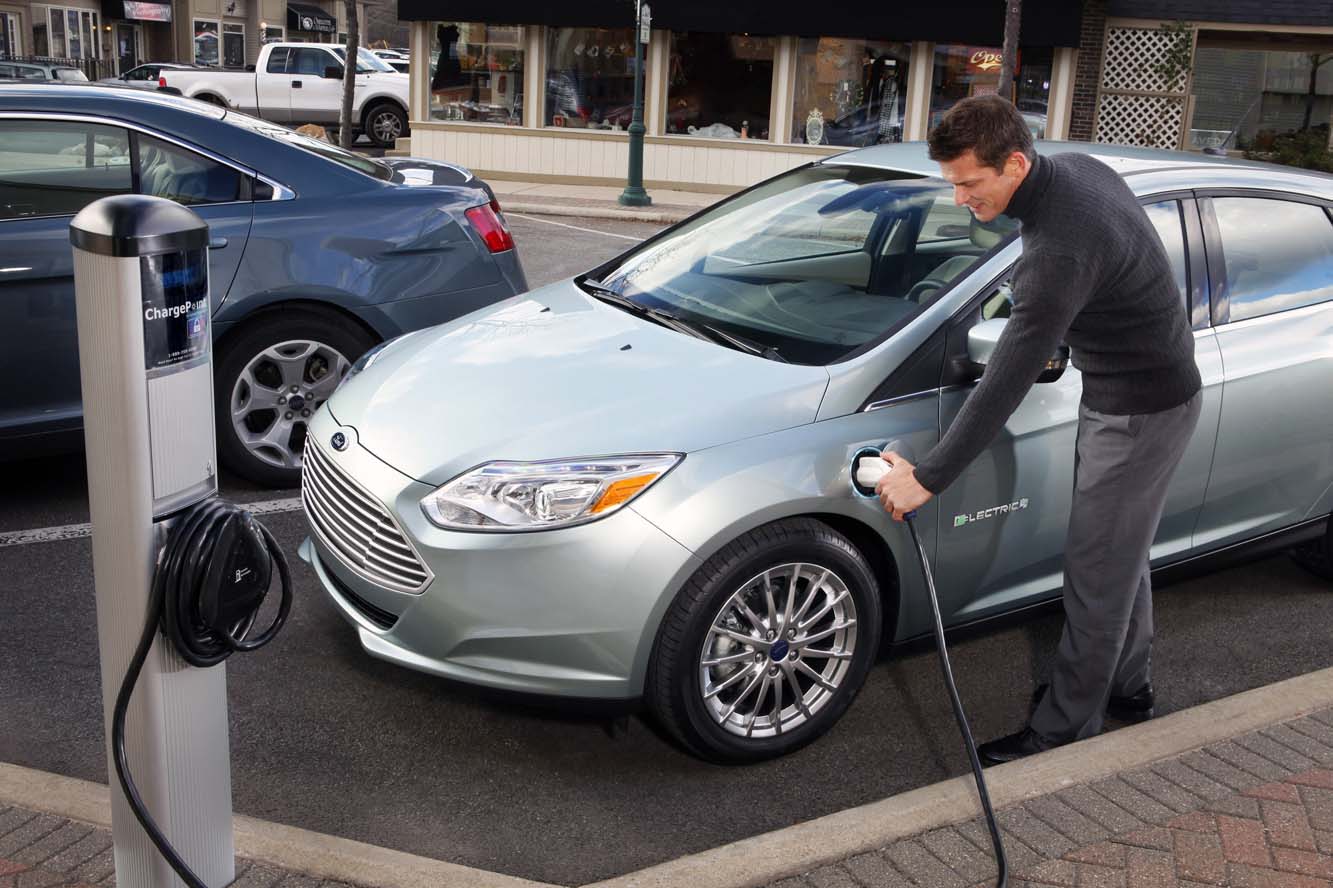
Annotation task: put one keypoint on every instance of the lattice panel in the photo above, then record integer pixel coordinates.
(1132, 55)
(1145, 121)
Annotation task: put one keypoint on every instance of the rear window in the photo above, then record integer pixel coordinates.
(367, 165)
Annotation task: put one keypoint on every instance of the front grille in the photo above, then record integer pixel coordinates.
(359, 530)
(376, 615)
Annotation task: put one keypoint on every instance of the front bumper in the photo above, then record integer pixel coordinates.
(569, 612)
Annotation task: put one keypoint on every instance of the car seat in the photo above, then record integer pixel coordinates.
(984, 236)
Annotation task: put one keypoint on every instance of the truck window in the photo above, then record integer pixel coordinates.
(277, 61)
(311, 62)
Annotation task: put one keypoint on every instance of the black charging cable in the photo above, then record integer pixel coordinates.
(1001, 862)
(211, 580)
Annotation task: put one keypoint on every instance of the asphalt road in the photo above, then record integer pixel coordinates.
(326, 738)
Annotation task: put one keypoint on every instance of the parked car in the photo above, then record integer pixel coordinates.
(42, 71)
(390, 55)
(303, 83)
(146, 76)
(636, 483)
(317, 254)
(402, 66)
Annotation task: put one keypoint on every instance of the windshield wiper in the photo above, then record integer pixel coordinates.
(667, 319)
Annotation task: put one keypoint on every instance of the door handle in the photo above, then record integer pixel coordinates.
(218, 243)
(296, 84)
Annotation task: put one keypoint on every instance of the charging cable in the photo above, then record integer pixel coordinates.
(212, 578)
(870, 467)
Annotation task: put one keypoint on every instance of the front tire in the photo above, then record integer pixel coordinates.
(385, 123)
(271, 377)
(768, 643)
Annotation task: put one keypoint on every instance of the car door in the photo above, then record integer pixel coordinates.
(274, 87)
(217, 192)
(49, 170)
(1271, 261)
(314, 97)
(1003, 523)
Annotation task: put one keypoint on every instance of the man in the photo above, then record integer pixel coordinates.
(1093, 274)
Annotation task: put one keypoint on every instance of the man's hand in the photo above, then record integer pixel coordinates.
(898, 490)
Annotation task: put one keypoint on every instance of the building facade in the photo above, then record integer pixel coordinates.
(108, 37)
(738, 92)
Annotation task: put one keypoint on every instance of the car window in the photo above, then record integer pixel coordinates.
(277, 60)
(166, 170)
(143, 73)
(71, 75)
(56, 168)
(1170, 226)
(1279, 254)
(816, 264)
(310, 61)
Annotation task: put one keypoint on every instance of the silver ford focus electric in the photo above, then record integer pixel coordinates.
(637, 483)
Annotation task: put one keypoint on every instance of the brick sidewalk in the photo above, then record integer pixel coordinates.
(42, 851)
(1252, 812)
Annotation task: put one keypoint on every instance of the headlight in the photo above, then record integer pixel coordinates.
(500, 496)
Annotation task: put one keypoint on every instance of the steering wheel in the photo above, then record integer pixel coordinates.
(922, 287)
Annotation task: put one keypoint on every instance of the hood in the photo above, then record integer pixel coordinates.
(554, 374)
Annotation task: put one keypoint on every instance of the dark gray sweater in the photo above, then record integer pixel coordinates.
(1094, 275)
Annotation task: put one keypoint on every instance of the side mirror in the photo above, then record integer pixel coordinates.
(981, 342)
(333, 72)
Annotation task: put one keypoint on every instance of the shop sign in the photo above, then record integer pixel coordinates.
(139, 10)
(984, 61)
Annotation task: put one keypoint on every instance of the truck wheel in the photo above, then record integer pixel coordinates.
(766, 645)
(271, 378)
(385, 122)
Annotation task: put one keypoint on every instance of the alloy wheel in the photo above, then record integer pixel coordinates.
(277, 392)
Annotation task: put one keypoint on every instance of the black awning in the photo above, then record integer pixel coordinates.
(136, 10)
(308, 17)
(981, 22)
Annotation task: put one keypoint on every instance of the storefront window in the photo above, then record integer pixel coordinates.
(476, 73)
(963, 71)
(233, 46)
(272, 34)
(849, 92)
(9, 39)
(1246, 98)
(590, 77)
(205, 43)
(720, 85)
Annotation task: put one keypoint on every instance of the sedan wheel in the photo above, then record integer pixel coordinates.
(767, 644)
(270, 381)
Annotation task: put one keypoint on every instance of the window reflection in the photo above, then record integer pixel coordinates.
(1279, 254)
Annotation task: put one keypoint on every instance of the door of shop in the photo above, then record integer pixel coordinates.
(129, 52)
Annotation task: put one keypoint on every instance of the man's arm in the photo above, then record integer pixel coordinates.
(1050, 290)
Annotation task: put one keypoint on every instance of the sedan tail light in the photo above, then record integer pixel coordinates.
(488, 223)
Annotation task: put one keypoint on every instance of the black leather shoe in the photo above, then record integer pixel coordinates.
(1015, 746)
(1137, 707)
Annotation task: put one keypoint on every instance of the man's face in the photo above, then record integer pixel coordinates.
(983, 189)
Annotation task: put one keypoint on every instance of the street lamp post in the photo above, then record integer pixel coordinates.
(634, 195)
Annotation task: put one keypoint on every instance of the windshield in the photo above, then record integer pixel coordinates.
(814, 264)
(366, 61)
(71, 74)
(361, 164)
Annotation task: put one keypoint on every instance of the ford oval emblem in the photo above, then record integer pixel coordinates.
(339, 441)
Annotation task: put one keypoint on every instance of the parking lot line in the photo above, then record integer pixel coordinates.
(575, 227)
(79, 531)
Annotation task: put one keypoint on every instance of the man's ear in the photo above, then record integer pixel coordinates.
(1017, 164)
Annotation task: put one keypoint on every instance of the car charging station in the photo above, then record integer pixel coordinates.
(180, 575)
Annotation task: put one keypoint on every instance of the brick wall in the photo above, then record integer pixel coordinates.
(1087, 76)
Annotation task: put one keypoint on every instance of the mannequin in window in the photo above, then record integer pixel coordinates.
(449, 85)
(885, 89)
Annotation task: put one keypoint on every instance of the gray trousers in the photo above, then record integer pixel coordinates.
(1122, 468)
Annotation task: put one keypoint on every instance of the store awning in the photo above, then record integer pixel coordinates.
(1045, 22)
(136, 10)
(308, 17)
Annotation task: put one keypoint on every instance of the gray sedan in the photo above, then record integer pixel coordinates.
(316, 255)
(637, 483)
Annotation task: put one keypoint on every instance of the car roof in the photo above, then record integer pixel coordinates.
(110, 98)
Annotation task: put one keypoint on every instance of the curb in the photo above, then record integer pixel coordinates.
(767, 858)
(285, 847)
(762, 859)
(661, 217)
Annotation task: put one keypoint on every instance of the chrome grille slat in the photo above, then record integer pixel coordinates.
(356, 527)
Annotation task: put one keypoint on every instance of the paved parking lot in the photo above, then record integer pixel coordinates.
(326, 738)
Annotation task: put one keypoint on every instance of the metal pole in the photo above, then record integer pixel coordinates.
(634, 195)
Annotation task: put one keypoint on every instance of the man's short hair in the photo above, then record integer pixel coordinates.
(989, 126)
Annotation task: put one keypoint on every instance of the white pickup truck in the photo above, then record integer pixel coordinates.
(303, 83)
